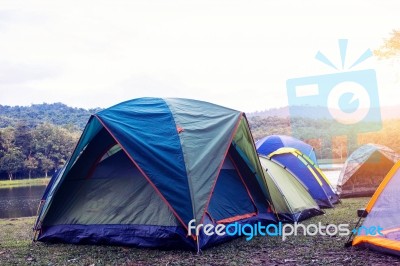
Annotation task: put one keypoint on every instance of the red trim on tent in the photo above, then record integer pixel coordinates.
(220, 167)
(144, 174)
(209, 216)
(93, 168)
(61, 179)
(270, 203)
(237, 218)
(244, 184)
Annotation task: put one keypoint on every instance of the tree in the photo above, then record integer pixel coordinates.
(46, 164)
(23, 138)
(390, 47)
(53, 143)
(11, 161)
(31, 163)
(7, 138)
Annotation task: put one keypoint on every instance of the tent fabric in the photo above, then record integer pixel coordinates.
(207, 126)
(233, 202)
(365, 169)
(244, 144)
(245, 169)
(383, 210)
(269, 144)
(290, 198)
(149, 236)
(146, 167)
(144, 140)
(135, 203)
(308, 174)
(91, 129)
(51, 182)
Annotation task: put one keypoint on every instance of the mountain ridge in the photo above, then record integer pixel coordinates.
(62, 114)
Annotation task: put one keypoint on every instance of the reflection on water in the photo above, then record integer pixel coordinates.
(24, 201)
(333, 176)
(20, 201)
(331, 166)
(332, 172)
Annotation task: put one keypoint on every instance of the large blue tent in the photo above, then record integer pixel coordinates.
(144, 168)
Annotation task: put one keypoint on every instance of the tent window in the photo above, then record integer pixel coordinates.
(79, 155)
(227, 205)
(113, 150)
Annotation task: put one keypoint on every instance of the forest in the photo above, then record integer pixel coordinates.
(37, 140)
(328, 139)
(27, 152)
(55, 113)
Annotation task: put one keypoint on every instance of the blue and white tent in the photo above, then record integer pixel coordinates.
(144, 168)
(269, 144)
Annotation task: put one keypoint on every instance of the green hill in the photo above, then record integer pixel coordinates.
(55, 113)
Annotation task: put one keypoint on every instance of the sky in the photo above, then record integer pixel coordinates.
(234, 53)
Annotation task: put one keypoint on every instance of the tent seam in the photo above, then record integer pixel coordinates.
(189, 180)
(144, 174)
(220, 166)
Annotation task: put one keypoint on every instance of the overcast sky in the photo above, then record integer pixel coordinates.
(235, 53)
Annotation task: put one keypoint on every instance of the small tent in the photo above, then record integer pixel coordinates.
(269, 144)
(381, 228)
(290, 198)
(308, 173)
(365, 169)
(143, 169)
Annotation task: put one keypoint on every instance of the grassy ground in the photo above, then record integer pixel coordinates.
(16, 248)
(24, 182)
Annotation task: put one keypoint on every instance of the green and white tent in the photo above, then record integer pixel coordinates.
(289, 196)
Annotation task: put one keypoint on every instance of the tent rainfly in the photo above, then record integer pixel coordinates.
(365, 169)
(143, 169)
(290, 198)
(380, 230)
(269, 144)
(308, 173)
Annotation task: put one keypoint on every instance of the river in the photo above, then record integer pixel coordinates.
(20, 201)
(23, 201)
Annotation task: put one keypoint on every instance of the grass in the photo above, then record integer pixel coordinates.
(16, 248)
(24, 182)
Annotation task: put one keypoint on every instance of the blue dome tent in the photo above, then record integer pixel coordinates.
(144, 168)
(269, 144)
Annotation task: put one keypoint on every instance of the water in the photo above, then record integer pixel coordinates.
(332, 172)
(333, 176)
(20, 201)
(23, 201)
(331, 166)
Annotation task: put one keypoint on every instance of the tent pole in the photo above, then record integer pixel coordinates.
(198, 244)
(36, 225)
(349, 240)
